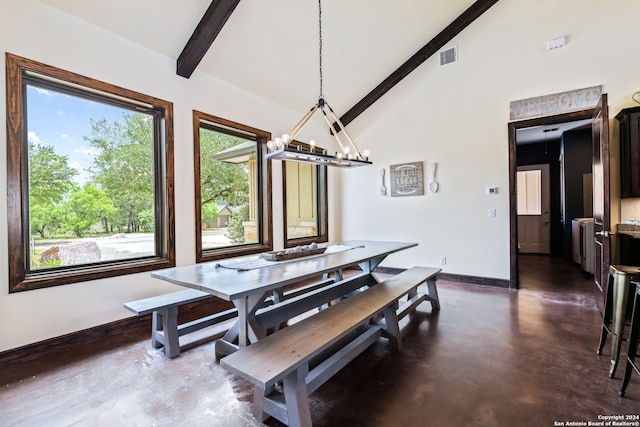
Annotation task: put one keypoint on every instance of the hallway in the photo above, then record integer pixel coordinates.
(490, 357)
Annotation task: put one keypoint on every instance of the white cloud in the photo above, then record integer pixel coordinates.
(64, 135)
(34, 138)
(44, 91)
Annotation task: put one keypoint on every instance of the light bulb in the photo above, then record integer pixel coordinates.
(270, 145)
(366, 153)
(312, 145)
(286, 138)
(339, 156)
(346, 150)
(278, 142)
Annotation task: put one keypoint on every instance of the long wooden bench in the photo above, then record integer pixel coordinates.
(306, 354)
(165, 330)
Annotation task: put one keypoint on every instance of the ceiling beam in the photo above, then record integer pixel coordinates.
(445, 36)
(205, 33)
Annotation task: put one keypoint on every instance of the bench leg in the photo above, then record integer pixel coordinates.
(156, 326)
(433, 294)
(258, 404)
(170, 327)
(392, 327)
(296, 399)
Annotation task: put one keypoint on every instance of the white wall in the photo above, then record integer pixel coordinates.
(456, 116)
(36, 31)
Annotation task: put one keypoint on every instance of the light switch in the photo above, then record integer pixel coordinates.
(492, 212)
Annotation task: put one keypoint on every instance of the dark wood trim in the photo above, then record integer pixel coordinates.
(130, 325)
(322, 204)
(457, 278)
(20, 278)
(265, 195)
(203, 36)
(474, 280)
(513, 166)
(437, 43)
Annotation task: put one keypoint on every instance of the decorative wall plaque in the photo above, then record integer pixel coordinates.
(557, 103)
(406, 179)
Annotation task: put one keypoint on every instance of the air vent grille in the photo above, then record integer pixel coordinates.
(449, 56)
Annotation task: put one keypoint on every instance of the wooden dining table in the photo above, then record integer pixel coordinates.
(258, 289)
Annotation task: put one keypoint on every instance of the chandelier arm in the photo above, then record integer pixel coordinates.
(335, 134)
(303, 121)
(346, 134)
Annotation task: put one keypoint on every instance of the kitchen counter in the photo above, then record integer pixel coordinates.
(628, 237)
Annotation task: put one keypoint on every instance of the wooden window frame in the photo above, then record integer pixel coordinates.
(321, 203)
(21, 278)
(265, 213)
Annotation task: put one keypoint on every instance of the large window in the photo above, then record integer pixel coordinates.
(232, 181)
(305, 202)
(90, 178)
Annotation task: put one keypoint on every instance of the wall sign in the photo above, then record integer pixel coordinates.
(557, 103)
(406, 179)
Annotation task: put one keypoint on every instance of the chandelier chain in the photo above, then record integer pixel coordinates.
(320, 43)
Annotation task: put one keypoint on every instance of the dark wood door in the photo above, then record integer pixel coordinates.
(601, 199)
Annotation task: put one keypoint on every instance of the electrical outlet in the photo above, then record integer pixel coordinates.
(443, 260)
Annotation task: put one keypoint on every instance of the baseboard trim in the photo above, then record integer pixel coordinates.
(474, 280)
(457, 278)
(129, 325)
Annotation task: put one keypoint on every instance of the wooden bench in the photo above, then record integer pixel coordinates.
(165, 329)
(306, 354)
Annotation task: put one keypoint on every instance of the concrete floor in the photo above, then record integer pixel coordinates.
(490, 357)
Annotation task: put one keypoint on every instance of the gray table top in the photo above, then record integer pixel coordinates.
(231, 284)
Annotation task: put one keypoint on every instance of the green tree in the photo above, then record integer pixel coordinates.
(209, 211)
(44, 219)
(50, 177)
(218, 180)
(235, 231)
(86, 207)
(124, 166)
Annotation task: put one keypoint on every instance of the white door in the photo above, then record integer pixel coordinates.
(534, 232)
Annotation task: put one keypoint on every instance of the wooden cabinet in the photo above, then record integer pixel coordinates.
(629, 121)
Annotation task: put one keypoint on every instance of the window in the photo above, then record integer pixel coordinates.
(529, 192)
(232, 182)
(305, 202)
(90, 178)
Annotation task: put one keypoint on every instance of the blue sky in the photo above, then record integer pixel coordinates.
(62, 121)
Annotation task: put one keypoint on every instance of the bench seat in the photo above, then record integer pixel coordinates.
(165, 329)
(288, 354)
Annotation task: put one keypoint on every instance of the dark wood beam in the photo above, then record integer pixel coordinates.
(205, 33)
(445, 36)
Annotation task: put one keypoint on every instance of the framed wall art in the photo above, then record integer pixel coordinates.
(406, 179)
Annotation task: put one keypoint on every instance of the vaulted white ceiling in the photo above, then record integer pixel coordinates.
(270, 47)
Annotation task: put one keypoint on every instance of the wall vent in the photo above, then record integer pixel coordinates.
(449, 56)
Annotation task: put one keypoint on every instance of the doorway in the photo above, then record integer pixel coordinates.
(536, 145)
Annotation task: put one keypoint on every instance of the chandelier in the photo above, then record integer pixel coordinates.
(349, 154)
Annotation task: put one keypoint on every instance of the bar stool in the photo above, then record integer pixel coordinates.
(634, 336)
(615, 309)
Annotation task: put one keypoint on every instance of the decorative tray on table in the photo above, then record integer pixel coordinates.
(284, 255)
